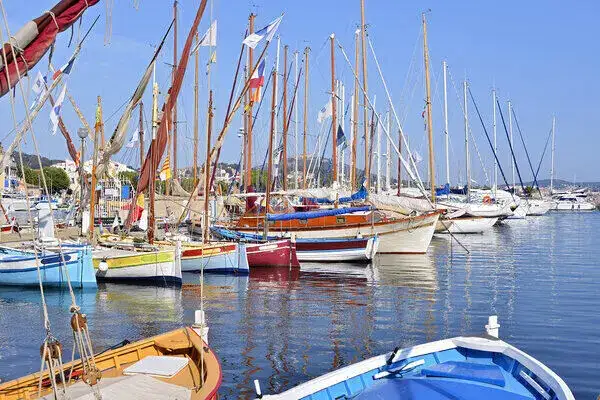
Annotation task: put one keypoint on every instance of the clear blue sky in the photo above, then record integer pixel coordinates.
(540, 54)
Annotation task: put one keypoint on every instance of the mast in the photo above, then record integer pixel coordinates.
(354, 115)
(207, 169)
(429, 117)
(152, 182)
(141, 134)
(276, 83)
(333, 111)
(388, 158)
(378, 183)
(467, 161)
(305, 120)
(285, 122)
(248, 150)
(446, 134)
(495, 143)
(510, 132)
(552, 157)
(296, 127)
(363, 28)
(174, 115)
(342, 99)
(98, 130)
(270, 158)
(399, 162)
(196, 106)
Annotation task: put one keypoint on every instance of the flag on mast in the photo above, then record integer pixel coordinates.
(253, 39)
(341, 138)
(39, 88)
(134, 139)
(165, 172)
(55, 112)
(209, 38)
(65, 69)
(325, 112)
(256, 82)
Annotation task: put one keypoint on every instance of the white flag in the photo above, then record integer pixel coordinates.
(325, 112)
(134, 139)
(39, 88)
(55, 112)
(209, 38)
(268, 31)
(417, 157)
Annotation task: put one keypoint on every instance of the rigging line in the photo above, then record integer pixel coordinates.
(535, 182)
(416, 178)
(410, 66)
(487, 179)
(510, 144)
(489, 140)
(543, 153)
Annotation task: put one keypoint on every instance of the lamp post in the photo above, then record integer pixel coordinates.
(82, 133)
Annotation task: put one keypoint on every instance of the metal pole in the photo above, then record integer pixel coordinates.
(305, 121)
(285, 122)
(467, 160)
(495, 143)
(446, 134)
(363, 28)
(552, 152)
(296, 126)
(510, 131)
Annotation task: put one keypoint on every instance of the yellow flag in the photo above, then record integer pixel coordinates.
(165, 172)
(213, 57)
(140, 200)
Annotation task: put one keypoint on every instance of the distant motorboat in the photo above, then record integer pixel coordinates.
(469, 367)
(572, 202)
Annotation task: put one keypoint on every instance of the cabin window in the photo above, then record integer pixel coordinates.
(340, 219)
(303, 221)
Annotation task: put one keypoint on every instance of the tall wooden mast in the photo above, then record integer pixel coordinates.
(354, 115)
(429, 119)
(174, 114)
(98, 130)
(285, 116)
(141, 134)
(207, 168)
(305, 121)
(270, 158)
(363, 28)
(248, 151)
(333, 110)
(152, 181)
(196, 110)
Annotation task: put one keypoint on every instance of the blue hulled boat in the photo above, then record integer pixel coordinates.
(18, 267)
(459, 368)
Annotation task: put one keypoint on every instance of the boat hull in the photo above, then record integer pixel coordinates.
(155, 267)
(228, 258)
(18, 268)
(357, 250)
(573, 206)
(281, 253)
(410, 235)
(468, 225)
(462, 367)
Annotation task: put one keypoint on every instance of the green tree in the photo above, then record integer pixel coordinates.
(129, 176)
(56, 179)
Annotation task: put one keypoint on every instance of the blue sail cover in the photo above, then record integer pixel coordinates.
(360, 195)
(443, 190)
(316, 214)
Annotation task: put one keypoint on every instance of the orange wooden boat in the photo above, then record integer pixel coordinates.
(177, 364)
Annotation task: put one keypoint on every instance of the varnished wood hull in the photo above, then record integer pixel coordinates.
(183, 342)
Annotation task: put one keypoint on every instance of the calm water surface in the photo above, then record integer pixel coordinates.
(540, 276)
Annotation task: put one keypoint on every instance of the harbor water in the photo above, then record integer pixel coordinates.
(540, 276)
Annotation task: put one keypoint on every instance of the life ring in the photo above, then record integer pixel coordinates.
(487, 200)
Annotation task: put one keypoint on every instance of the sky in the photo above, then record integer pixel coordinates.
(541, 55)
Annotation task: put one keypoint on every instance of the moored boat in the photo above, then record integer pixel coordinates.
(214, 257)
(468, 367)
(18, 267)
(161, 267)
(177, 364)
(279, 253)
(466, 224)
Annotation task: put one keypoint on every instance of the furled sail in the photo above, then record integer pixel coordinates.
(157, 148)
(117, 140)
(34, 39)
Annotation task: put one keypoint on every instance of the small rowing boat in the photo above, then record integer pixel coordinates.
(481, 367)
(175, 365)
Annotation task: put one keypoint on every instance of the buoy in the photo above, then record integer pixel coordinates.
(103, 266)
(487, 200)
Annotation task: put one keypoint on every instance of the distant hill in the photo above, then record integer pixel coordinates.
(561, 183)
(31, 161)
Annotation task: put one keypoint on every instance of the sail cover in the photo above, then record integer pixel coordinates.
(117, 140)
(316, 214)
(360, 195)
(34, 39)
(157, 148)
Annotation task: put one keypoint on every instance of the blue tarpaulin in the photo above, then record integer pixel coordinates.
(443, 190)
(360, 195)
(315, 214)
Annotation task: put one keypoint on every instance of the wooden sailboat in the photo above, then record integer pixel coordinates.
(177, 364)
